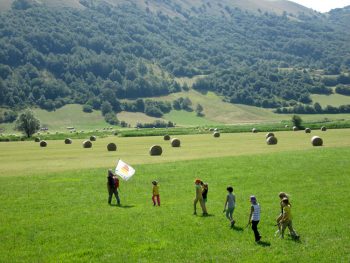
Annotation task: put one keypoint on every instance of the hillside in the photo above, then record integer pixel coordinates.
(182, 8)
(98, 53)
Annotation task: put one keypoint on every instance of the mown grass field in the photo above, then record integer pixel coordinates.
(54, 205)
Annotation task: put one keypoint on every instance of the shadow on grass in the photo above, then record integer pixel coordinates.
(295, 240)
(263, 243)
(126, 206)
(237, 228)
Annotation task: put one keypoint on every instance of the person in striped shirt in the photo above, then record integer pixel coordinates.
(254, 217)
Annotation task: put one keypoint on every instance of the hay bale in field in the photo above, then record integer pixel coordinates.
(216, 134)
(272, 140)
(43, 144)
(92, 138)
(295, 128)
(115, 133)
(166, 137)
(111, 147)
(316, 141)
(307, 130)
(254, 130)
(37, 139)
(323, 128)
(286, 126)
(155, 150)
(175, 142)
(269, 134)
(87, 144)
(68, 141)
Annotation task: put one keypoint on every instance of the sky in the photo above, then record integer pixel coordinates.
(323, 5)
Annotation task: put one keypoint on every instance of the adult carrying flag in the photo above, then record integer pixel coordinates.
(124, 170)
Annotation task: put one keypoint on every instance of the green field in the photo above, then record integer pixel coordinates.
(335, 100)
(54, 205)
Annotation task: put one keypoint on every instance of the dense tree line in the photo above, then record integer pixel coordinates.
(314, 109)
(51, 57)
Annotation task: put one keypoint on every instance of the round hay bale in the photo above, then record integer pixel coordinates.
(87, 144)
(254, 130)
(316, 141)
(307, 130)
(43, 144)
(92, 138)
(155, 150)
(216, 134)
(68, 141)
(115, 133)
(166, 137)
(323, 128)
(175, 142)
(295, 128)
(269, 134)
(272, 140)
(111, 147)
(37, 139)
(286, 126)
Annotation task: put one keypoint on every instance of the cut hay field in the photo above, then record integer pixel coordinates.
(28, 158)
(54, 206)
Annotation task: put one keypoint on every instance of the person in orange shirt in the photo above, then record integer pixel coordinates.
(155, 195)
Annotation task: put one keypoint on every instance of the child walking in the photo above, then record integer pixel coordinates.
(199, 198)
(286, 220)
(254, 217)
(155, 195)
(281, 195)
(230, 203)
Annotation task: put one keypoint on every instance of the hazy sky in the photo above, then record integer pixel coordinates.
(323, 5)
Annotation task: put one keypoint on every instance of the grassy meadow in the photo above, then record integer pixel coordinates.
(54, 203)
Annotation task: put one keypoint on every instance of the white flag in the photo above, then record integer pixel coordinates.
(124, 170)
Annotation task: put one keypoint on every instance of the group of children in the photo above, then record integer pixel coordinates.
(284, 220)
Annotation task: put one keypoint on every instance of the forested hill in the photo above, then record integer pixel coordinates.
(109, 50)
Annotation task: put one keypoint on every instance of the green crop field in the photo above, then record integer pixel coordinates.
(54, 202)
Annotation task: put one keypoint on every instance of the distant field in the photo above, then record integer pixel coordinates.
(70, 116)
(185, 118)
(133, 118)
(54, 203)
(215, 112)
(333, 99)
